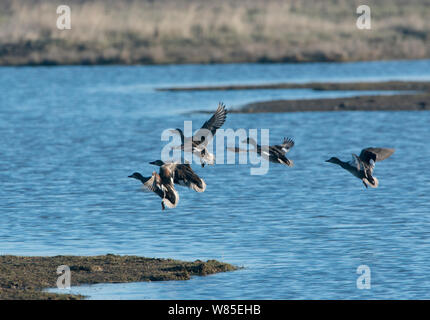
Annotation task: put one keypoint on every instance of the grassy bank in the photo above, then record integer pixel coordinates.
(198, 31)
(25, 277)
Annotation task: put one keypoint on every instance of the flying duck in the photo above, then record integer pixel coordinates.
(274, 153)
(162, 184)
(362, 166)
(184, 175)
(197, 144)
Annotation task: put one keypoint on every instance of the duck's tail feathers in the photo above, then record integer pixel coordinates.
(170, 205)
(287, 162)
(168, 202)
(196, 188)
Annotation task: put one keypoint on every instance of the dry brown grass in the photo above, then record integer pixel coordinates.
(180, 31)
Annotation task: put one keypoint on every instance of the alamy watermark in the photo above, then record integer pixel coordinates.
(364, 20)
(229, 146)
(65, 278)
(64, 20)
(364, 280)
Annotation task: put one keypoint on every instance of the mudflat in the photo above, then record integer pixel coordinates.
(417, 102)
(329, 86)
(26, 277)
(410, 95)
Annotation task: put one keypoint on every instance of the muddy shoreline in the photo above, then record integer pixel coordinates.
(26, 277)
(320, 86)
(410, 96)
(419, 102)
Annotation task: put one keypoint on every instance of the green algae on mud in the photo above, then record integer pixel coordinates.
(26, 277)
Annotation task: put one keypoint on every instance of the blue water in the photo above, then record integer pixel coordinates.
(70, 136)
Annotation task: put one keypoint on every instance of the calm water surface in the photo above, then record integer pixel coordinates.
(70, 136)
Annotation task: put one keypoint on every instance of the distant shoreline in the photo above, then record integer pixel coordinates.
(20, 61)
(26, 277)
(120, 63)
(147, 32)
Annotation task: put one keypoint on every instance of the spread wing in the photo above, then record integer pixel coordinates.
(285, 146)
(185, 176)
(153, 184)
(367, 164)
(380, 153)
(366, 156)
(212, 125)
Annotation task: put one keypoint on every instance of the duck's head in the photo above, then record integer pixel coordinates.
(136, 175)
(157, 163)
(333, 160)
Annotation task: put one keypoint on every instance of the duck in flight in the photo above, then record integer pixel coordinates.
(362, 166)
(275, 153)
(183, 175)
(197, 144)
(162, 184)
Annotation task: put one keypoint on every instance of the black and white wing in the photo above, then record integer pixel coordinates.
(285, 146)
(211, 126)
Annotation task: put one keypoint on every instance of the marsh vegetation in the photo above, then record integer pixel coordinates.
(179, 31)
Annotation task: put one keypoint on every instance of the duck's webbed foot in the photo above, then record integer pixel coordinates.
(162, 205)
(365, 184)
